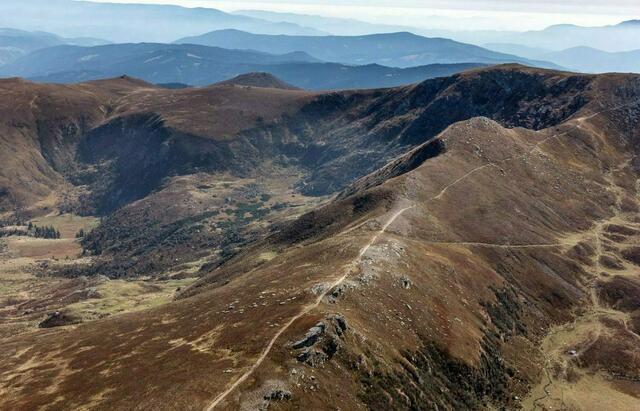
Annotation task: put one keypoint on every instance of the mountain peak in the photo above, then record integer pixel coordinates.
(630, 23)
(258, 79)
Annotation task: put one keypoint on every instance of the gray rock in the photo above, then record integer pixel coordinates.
(406, 282)
(322, 341)
(337, 292)
(312, 357)
(58, 319)
(278, 395)
(92, 292)
(311, 337)
(340, 323)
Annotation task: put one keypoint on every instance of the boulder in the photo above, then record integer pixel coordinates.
(58, 319)
(311, 337)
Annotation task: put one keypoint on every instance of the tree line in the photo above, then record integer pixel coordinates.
(43, 232)
(14, 231)
(49, 232)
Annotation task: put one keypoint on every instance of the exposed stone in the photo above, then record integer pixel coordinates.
(92, 292)
(322, 341)
(313, 357)
(58, 319)
(406, 282)
(340, 323)
(278, 395)
(311, 337)
(337, 292)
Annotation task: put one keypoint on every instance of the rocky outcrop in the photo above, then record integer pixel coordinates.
(278, 395)
(58, 319)
(321, 342)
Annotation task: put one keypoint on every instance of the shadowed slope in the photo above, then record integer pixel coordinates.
(147, 140)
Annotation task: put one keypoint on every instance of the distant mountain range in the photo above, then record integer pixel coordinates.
(16, 43)
(203, 65)
(583, 59)
(590, 60)
(131, 22)
(121, 23)
(401, 49)
(288, 45)
(332, 25)
(615, 38)
(155, 62)
(328, 76)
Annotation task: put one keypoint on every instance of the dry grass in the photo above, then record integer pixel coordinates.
(492, 212)
(124, 296)
(40, 248)
(67, 224)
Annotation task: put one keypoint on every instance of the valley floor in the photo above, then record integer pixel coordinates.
(29, 295)
(584, 360)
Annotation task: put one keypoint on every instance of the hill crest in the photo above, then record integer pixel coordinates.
(258, 79)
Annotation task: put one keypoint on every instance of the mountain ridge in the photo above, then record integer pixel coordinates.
(401, 49)
(612, 38)
(580, 58)
(258, 79)
(485, 226)
(121, 22)
(17, 43)
(199, 65)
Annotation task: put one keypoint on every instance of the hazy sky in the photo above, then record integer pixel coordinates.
(458, 14)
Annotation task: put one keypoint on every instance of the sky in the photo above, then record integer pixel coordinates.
(443, 14)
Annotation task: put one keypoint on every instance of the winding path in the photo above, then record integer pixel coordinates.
(306, 310)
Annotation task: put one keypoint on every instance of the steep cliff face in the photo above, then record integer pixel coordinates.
(42, 126)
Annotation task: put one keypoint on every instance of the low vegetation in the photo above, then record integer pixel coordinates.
(43, 232)
(466, 242)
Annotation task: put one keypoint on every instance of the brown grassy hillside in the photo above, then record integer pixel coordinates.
(491, 264)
